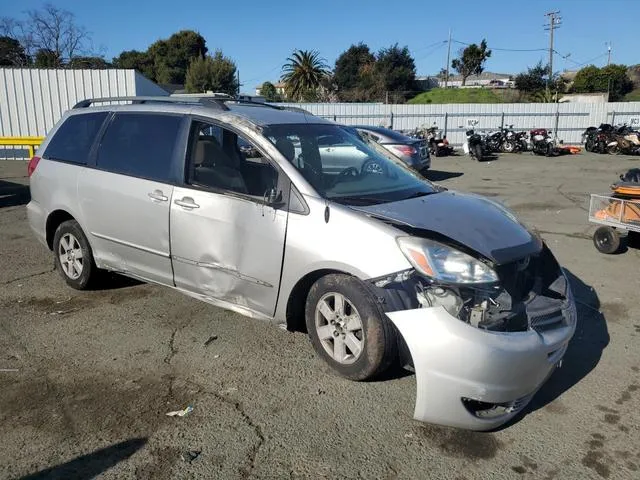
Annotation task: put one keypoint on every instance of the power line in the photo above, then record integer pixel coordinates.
(506, 49)
(441, 42)
(433, 50)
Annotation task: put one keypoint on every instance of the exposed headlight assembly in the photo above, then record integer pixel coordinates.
(444, 263)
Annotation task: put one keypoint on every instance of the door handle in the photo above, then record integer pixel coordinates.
(158, 195)
(186, 202)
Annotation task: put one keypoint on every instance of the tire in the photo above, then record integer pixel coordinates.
(508, 147)
(588, 145)
(369, 328)
(477, 152)
(613, 149)
(73, 256)
(606, 240)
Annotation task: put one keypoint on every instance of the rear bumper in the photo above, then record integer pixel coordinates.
(37, 221)
(455, 361)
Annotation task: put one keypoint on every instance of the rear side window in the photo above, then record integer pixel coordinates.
(140, 144)
(72, 141)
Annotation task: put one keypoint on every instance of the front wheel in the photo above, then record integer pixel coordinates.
(348, 329)
(73, 255)
(477, 152)
(613, 149)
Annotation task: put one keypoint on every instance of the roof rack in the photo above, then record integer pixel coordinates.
(208, 101)
(217, 102)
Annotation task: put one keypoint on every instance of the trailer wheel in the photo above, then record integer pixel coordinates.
(606, 240)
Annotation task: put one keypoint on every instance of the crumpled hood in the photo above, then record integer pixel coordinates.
(471, 220)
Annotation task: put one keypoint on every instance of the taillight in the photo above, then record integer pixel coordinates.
(405, 149)
(31, 167)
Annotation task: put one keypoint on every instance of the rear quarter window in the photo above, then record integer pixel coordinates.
(73, 140)
(140, 145)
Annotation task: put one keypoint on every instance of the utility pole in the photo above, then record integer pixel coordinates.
(446, 78)
(238, 81)
(554, 22)
(609, 63)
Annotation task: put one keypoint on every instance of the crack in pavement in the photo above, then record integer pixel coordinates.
(577, 203)
(582, 236)
(246, 471)
(8, 282)
(172, 348)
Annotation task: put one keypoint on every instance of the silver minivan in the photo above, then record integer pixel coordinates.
(237, 204)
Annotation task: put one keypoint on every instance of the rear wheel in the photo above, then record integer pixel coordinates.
(508, 146)
(606, 240)
(73, 256)
(348, 329)
(613, 149)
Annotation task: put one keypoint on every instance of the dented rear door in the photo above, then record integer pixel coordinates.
(227, 247)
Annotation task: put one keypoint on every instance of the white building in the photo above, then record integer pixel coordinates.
(33, 100)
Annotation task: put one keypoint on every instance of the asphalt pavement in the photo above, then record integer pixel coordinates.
(86, 378)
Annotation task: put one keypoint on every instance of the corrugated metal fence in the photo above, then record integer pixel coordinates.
(569, 120)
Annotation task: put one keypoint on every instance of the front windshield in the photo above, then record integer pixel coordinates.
(342, 167)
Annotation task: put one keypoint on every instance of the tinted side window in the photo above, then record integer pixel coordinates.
(140, 144)
(73, 140)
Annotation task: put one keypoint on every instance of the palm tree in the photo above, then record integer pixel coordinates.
(303, 73)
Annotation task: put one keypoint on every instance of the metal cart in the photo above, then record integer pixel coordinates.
(619, 217)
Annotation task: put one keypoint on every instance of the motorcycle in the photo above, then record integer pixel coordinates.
(509, 140)
(541, 141)
(494, 140)
(596, 139)
(438, 146)
(623, 140)
(522, 141)
(476, 144)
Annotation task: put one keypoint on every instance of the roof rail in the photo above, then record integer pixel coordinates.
(208, 101)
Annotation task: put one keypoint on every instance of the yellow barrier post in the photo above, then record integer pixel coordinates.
(30, 142)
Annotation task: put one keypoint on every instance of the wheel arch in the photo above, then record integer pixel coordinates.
(295, 316)
(54, 219)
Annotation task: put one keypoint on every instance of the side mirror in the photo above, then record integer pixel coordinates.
(273, 198)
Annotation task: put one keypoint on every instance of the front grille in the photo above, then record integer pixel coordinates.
(548, 321)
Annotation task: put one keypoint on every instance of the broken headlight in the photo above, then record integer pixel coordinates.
(443, 263)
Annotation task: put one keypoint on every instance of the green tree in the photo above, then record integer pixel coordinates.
(88, 62)
(351, 71)
(12, 54)
(172, 57)
(217, 74)
(612, 78)
(303, 73)
(47, 59)
(471, 60)
(533, 80)
(133, 59)
(395, 70)
(269, 92)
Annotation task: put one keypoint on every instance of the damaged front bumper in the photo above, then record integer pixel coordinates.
(480, 378)
(472, 378)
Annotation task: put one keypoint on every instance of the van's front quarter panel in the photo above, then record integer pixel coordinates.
(348, 241)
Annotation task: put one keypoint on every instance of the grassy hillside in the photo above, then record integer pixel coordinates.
(633, 96)
(458, 95)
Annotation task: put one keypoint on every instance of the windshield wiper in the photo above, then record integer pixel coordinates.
(420, 194)
(359, 200)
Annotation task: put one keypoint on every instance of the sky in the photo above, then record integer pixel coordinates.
(260, 35)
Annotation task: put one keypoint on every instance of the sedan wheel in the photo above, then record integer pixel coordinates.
(339, 328)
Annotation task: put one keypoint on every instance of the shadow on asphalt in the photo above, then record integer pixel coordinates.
(440, 175)
(13, 194)
(92, 464)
